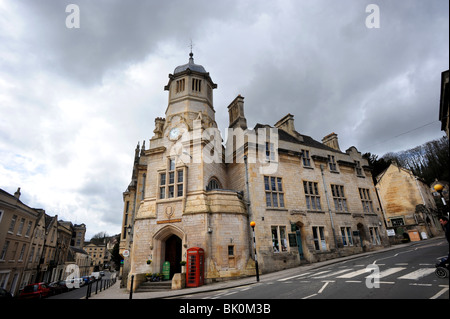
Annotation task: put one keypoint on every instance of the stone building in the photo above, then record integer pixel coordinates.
(310, 200)
(98, 253)
(20, 239)
(408, 203)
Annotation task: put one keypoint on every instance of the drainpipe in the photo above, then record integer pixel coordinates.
(329, 210)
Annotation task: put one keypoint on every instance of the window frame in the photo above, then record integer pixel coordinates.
(171, 181)
(312, 196)
(319, 238)
(346, 235)
(274, 191)
(280, 239)
(366, 200)
(339, 199)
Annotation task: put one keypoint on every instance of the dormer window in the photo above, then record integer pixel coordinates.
(332, 163)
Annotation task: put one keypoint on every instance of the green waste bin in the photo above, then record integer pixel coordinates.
(166, 270)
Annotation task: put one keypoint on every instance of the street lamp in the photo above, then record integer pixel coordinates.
(252, 224)
(439, 188)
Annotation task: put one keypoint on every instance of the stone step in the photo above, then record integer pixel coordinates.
(149, 286)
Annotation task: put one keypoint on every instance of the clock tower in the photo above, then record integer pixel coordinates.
(190, 98)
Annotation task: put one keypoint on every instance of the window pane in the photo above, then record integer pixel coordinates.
(266, 183)
(318, 203)
(316, 238)
(280, 187)
(281, 198)
(349, 235)
(162, 192)
(275, 245)
(180, 176)
(322, 239)
(171, 194)
(171, 177)
(308, 203)
(274, 187)
(283, 238)
(268, 200)
(344, 241)
(274, 200)
(180, 190)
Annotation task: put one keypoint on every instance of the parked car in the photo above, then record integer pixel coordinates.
(77, 282)
(96, 275)
(5, 294)
(58, 287)
(37, 290)
(88, 279)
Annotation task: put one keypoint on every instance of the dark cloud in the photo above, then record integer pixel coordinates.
(74, 102)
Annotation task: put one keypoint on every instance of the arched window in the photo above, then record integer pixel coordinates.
(213, 184)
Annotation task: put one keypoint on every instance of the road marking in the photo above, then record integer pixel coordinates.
(284, 279)
(354, 281)
(309, 296)
(324, 286)
(420, 273)
(389, 271)
(355, 273)
(402, 264)
(439, 293)
(332, 274)
(231, 293)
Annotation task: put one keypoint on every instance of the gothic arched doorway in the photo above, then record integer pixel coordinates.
(173, 254)
(168, 244)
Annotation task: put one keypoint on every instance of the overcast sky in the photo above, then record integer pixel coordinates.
(74, 102)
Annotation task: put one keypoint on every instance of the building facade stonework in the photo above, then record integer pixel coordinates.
(408, 202)
(310, 200)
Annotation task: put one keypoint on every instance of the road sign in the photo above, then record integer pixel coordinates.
(126, 253)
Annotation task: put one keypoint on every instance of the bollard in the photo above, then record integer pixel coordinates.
(88, 291)
(131, 288)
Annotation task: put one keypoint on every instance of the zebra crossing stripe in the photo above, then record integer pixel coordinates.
(415, 275)
(332, 274)
(355, 273)
(390, 271)
(304, 274)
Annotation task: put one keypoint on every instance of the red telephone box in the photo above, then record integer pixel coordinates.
(195, 272)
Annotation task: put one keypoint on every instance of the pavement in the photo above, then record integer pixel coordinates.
(115, 292)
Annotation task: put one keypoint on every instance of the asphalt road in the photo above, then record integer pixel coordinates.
(80, 293)
(398, 274)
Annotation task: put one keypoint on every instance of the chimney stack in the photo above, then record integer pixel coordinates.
(17, 193)
(331, 140)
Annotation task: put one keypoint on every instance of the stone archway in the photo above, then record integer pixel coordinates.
(169, 244)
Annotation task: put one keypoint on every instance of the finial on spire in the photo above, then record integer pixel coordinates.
(191, 55)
